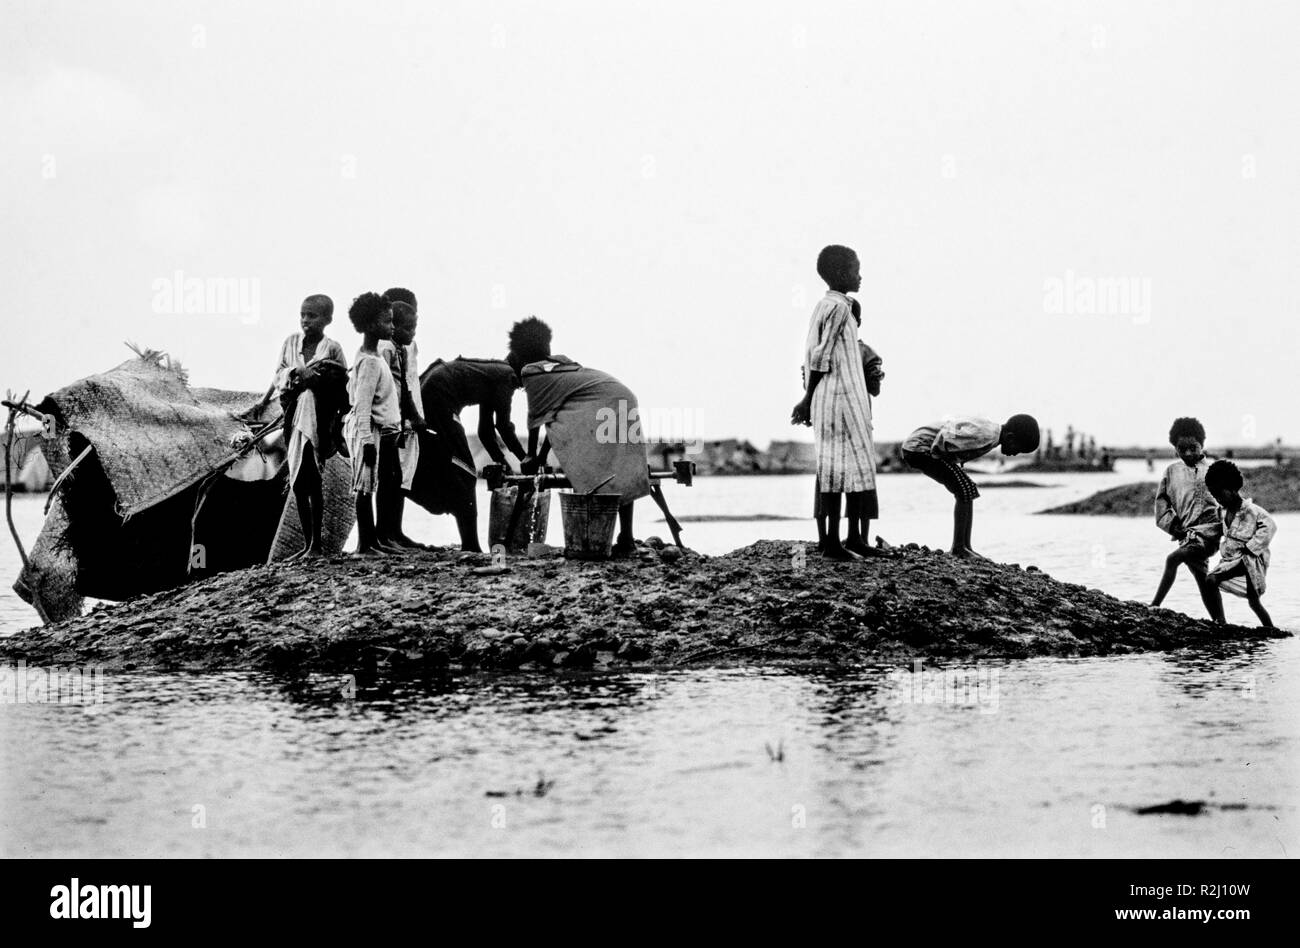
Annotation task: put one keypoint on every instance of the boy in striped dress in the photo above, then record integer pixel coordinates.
(837, 406)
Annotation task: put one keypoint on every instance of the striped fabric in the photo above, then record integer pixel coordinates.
(841, 407)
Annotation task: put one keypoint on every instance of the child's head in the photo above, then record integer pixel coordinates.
(1224, 481)
(1019, 435)
(405, 321)
(317, 312)
(530, 341)
(1187, 435)
(839, 267)
(371, 315)
(400, 294)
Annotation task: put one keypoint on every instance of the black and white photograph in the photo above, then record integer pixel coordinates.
(642, 431)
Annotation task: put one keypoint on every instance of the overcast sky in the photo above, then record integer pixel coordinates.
(656, 179)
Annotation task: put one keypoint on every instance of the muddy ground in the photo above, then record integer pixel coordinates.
(770, 603)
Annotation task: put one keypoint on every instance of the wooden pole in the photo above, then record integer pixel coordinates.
(9, 497)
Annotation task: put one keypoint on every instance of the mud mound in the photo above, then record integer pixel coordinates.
(768, 603)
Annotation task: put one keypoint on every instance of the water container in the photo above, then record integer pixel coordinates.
(589, 521)
(530, 527)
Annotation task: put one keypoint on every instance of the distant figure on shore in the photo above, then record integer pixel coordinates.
(1247, 532)
(1277, 452)
(592, 421)
(375, 420)
(449, 388)
(399, 464)
(311, 383)
(939, 450)
(1185, 509)
(837, 404)
(1151, 460)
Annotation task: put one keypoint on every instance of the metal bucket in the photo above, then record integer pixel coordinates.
(589, 524)
(529, 526)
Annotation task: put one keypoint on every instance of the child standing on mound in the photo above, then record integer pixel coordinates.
(837, 406)
(374, 422)
(1187, 512)
(311, 382)
(1247, 532)
(939, 451)
(398, 465)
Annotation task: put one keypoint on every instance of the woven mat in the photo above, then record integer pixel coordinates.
(153, 434)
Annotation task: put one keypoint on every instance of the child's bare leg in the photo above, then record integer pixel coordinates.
(820, 516)
(963, 517)
(387, 496)
(309, 496)
(1210, 594)
(625, 544)
(1167, 577)
(1257, 607)
(467, 524)
(367, 543)
(834, 550)
(858, 525)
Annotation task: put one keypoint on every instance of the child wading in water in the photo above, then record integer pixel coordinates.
(397, 464)
(373, 424)
(1247, 532)
(1187, 512)
(311, 382)
(939, 451)
(838, 407)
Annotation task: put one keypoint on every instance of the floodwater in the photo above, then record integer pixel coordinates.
(1049, 757)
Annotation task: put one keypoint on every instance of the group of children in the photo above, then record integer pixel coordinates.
(401, 428)
(374, 413)
(841, 374)
(1199, 503)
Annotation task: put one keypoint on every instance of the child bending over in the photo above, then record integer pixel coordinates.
(939, 451)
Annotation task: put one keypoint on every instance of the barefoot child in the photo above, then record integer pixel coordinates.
(939, 451)
(375, 414)
(311, 382)
(1247, 532)
(1185, 510)
(578, 406)
(446, 484)
(397, 465)
(837, 406)
(872, 367)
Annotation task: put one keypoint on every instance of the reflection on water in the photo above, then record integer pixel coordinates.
(871, 763)
(643, 764)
